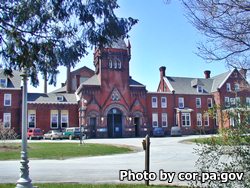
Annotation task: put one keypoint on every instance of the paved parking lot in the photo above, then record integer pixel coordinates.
(167, 153)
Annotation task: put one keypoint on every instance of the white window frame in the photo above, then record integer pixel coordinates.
(206, 119)
(198, 100)
(186, 119)
(7, 120)
(164, 103)
(7, 99)
(154, 103)
(64, 114)
(237, 101)
(228, 87)
(236, 87)
(53, 113)
(60, 98)
(227, 102)
(154, 120)
(164, 119)
(181, 102)
(210, 103)
(3, 82)
(232, 101)
(199, 89)
(199, 119)
(31, 118)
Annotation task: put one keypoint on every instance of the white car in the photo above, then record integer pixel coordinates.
(53, 134)
(176, 131)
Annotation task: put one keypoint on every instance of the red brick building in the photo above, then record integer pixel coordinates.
(108, 102)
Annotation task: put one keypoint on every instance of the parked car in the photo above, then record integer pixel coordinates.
(34, 133)
(176, 131)
(158, 131)
(72, 133)
(53, 134)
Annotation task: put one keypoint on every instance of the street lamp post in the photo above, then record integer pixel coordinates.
(24, 180)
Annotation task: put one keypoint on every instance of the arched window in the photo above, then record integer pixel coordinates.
(110, 64)
(119, 64)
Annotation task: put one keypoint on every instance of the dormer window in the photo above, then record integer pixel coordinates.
(60, 98)
(3, 82)
(199, 89)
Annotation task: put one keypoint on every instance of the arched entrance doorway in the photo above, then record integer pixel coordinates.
(114, 123)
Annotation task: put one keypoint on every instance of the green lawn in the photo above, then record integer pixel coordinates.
(11, 151)
(243, 140)
(91, 186)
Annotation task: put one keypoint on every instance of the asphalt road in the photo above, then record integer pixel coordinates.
(168, 154)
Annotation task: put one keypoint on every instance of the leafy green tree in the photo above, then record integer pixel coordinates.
(41, 35)
(225, 24)
(229, 151)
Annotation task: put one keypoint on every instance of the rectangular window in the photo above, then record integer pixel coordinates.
(232, 101)
(54, 119)
(228, 87)
(210, 103)
(155, 119)
(7, 99)
(248, 101)
(3, 82)
(185, 119)
(199, 119)
(7, 120)
(181, 102)
(237, 101)
(64, 118)
(31, 118)
(206, 119)
(236, 87)
(199, 89)
(164, 117)
(164, 102)
(227, 102)
(232, 121)
(154, 102)
(198, 102)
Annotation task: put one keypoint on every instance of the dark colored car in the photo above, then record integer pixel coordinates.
(158, 131)
(34, 133)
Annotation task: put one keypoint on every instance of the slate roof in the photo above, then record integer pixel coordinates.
(133, 83)
(51, 98)
(183, 85)
(12, 82)
(93, 81)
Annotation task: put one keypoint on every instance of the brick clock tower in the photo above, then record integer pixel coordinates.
(112, 103)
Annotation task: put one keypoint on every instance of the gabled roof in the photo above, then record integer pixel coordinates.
(51, 98)
(183, 85)
(12, 82)
(220, 79)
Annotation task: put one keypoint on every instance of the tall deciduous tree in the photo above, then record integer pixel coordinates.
(41, 35)
(226, 24)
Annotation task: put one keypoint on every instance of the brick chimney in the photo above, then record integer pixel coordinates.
(77, 80)
(68, 82)
(162, 71)
(207, 74)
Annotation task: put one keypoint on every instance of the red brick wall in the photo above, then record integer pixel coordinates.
(14, 109)
(43, 114)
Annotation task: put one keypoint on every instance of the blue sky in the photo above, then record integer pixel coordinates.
(163, 37)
